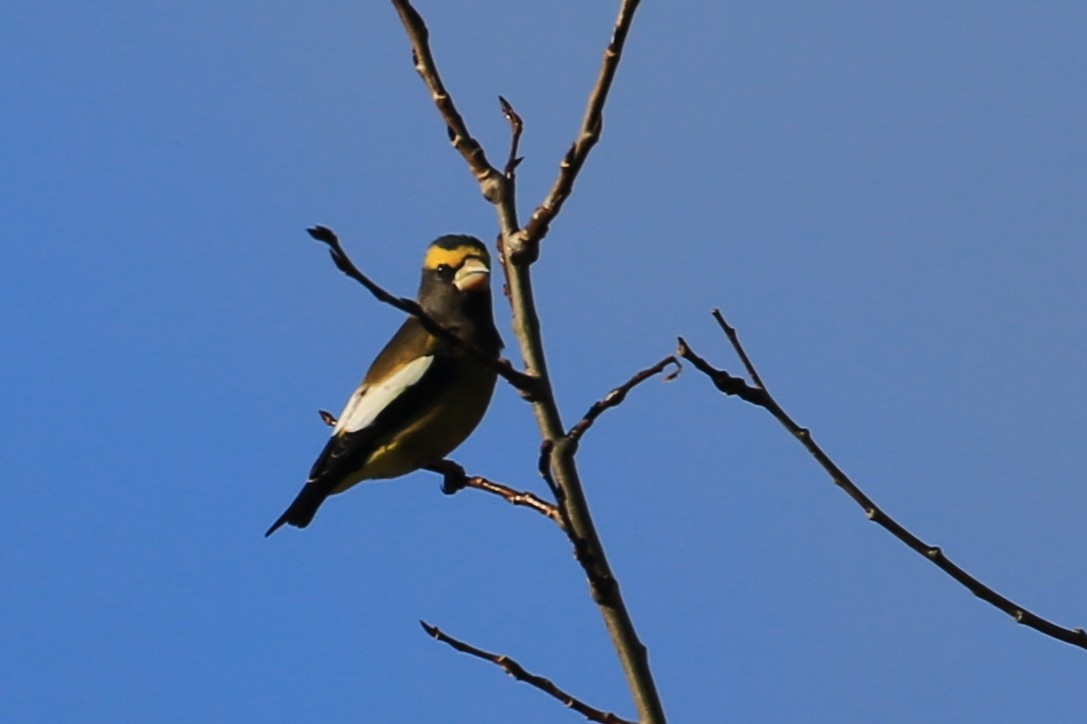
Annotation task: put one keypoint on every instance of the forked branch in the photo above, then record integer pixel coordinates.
(759, 396)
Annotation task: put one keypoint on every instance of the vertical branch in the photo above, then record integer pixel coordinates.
(520, 249)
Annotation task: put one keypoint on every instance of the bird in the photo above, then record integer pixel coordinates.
(423, 395)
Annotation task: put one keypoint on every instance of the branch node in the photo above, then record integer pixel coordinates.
(521, 249)
(543, 465)
(492, 186)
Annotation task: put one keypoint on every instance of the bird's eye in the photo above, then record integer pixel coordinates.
(445, 271)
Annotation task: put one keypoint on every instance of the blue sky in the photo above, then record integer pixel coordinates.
(887, 199)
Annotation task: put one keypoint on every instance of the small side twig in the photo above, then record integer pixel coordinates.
(519, 673)
(761, 397)
(734, 340)
(455, 479)
(616, 396)
(516, 127)
(524, 383)
(543, 465)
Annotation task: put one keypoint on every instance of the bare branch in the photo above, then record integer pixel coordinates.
(518, 249)
(518, 672)
(734, 340)
(521, 248)
(761, 397)
(455, 480)
(343, 262)
(543, 466)
(591, 126)
(489, 178)
(516, 126)
(616, 396)
(526, 384)
(600, 578)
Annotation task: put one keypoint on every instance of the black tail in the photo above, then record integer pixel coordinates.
(301, 511)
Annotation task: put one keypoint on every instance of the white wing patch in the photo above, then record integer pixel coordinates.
(366, 404)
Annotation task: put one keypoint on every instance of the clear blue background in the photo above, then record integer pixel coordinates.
(887, 199)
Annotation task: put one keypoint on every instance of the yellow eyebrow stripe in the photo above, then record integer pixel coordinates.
(453, 257)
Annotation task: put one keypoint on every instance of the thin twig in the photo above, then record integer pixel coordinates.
(343, 262)
(524, 383)
(583, 554)
(543, 465)
(454, 479)
(516, 127)
(616, 396)
(734, 340)
(518, 672)
(591, 126)
(720, 378)
(507, 204)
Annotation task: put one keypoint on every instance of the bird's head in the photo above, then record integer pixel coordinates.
(455, 267)
(460, 261)
(456, 284)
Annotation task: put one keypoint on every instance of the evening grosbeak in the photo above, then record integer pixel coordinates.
(422, 396)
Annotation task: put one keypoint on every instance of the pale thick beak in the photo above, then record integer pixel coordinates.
(472, 275)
